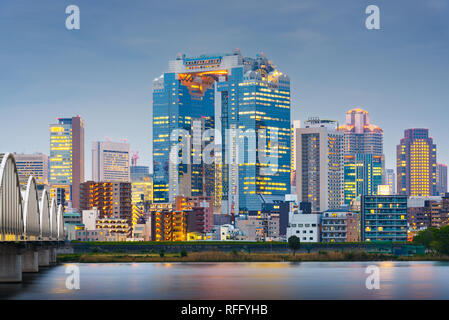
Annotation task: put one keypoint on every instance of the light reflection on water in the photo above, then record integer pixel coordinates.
(306, 280)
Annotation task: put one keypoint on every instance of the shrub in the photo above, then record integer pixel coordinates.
(349, 255)
(162, 253)
(183, 253)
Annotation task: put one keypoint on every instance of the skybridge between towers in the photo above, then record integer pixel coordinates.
(31, 227)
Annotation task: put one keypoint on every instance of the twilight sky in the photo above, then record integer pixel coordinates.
(104, 71)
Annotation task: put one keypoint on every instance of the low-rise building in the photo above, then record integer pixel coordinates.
(71, 230)
(224, 232)
(142, 230)
(334, 226)
(202, 209)
(117, 229)
(353, 227)
(169, 225)
(72, 217)
(306, 226)
(340, 226)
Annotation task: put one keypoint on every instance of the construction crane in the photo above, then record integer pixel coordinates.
(135, 156)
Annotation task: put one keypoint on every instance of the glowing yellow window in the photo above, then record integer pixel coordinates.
(380, 228)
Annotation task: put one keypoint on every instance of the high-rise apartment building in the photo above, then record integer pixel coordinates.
(67, 157)
(110, 161)
(416, 164)
(32, 164)
(364, 158)
(319, 165)
(253, 98)
(441, 179)
(390, 179)
(113, 199)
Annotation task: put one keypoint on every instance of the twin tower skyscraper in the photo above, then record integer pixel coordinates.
(221, 128)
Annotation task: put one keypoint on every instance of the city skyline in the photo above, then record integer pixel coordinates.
(377, 80)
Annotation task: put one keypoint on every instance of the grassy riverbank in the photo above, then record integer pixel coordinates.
(217, 256)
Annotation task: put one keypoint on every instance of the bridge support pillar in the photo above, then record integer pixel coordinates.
(10, 265)
(30, 261)
(44, 257)
(52, 255)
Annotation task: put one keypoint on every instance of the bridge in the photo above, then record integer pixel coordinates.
(31, 228)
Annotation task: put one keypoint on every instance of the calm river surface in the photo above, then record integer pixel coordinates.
(306, 280)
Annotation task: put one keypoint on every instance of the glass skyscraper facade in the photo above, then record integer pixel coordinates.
(363, 175)
(179, 101)
(253, 98)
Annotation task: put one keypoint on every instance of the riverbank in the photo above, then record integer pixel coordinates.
(217, 256)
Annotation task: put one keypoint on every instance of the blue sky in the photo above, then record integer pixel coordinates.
(104, 71)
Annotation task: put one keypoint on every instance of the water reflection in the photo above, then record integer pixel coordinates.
(305, 280)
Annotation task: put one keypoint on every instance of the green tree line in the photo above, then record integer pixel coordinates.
(434, 239)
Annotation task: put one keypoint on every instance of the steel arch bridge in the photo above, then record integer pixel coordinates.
(23, 216)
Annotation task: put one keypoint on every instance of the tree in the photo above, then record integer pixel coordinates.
(425, 237)
(441, 243)
(294, 244)
(435, 239)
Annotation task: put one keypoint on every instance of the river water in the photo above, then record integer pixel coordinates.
(305, 280)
